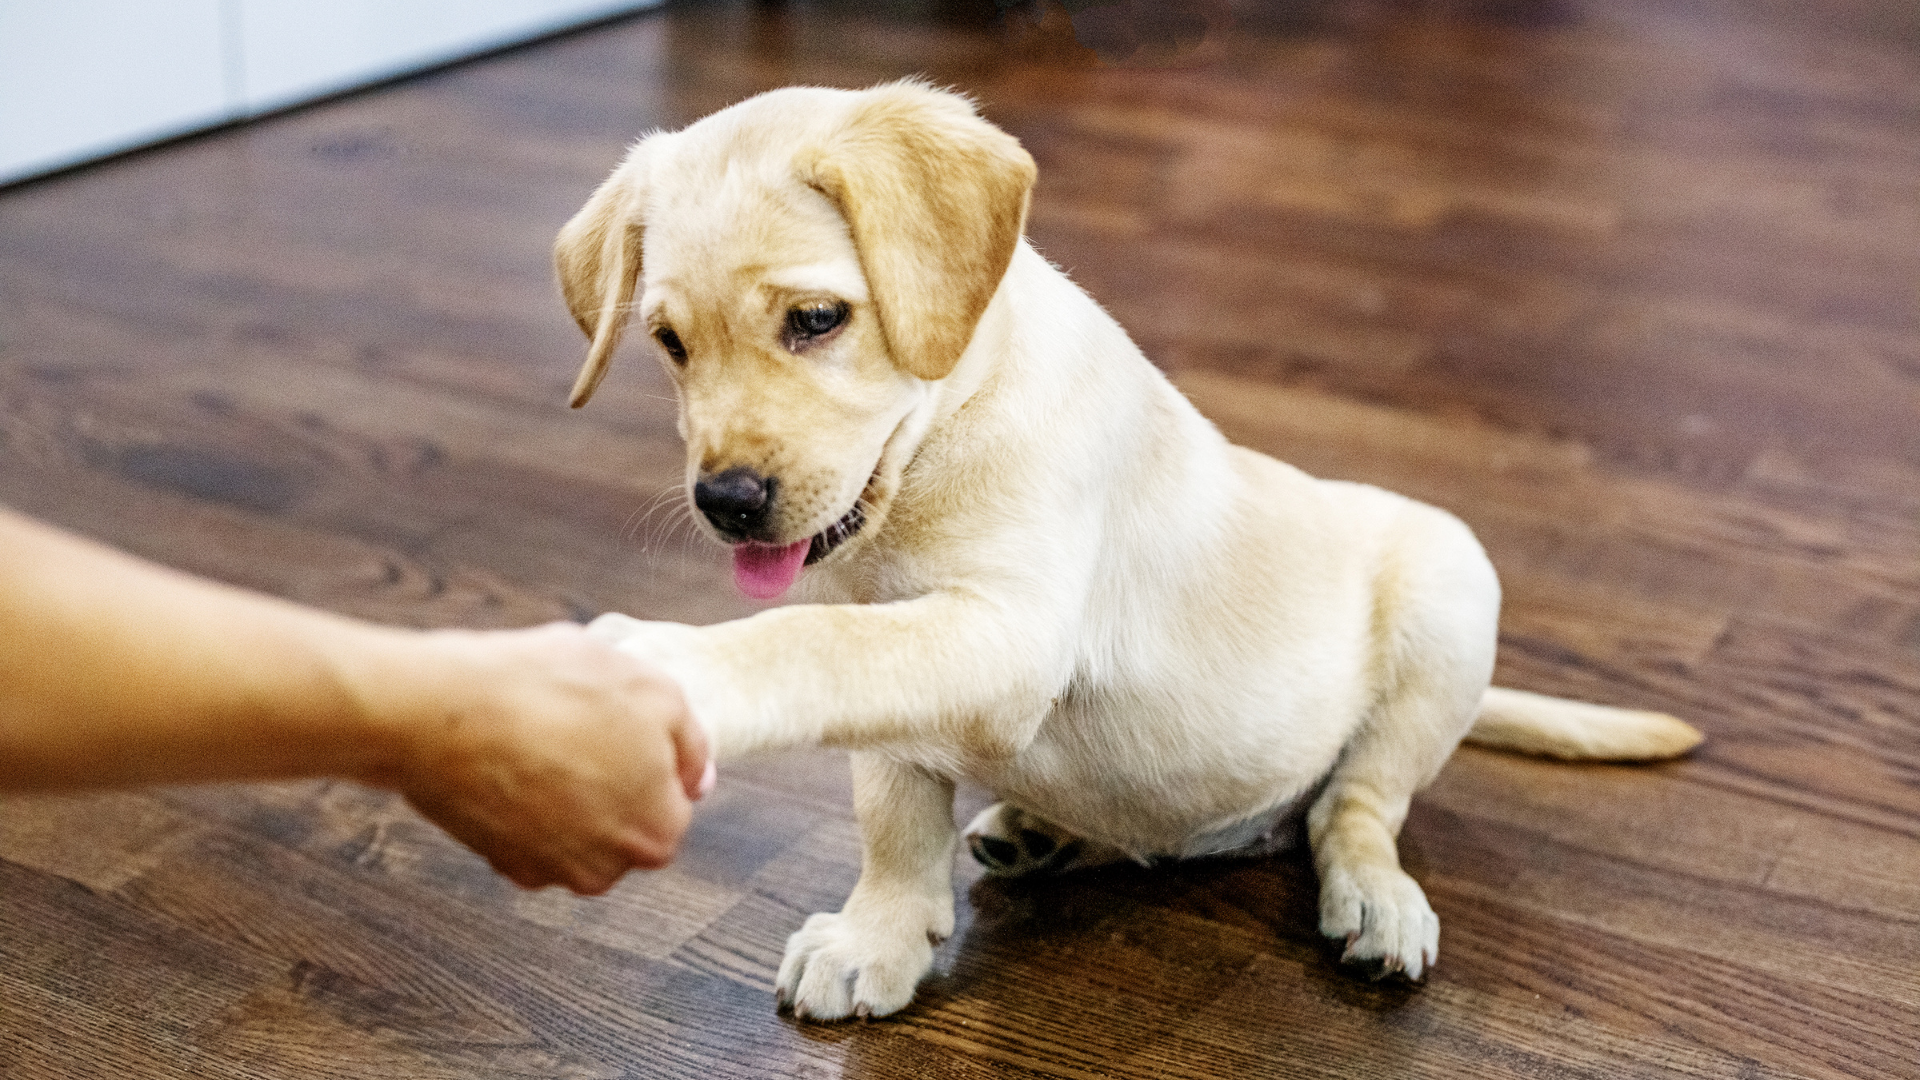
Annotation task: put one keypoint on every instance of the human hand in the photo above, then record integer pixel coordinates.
(558, 759)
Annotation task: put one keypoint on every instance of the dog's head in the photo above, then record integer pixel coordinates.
(806, 263)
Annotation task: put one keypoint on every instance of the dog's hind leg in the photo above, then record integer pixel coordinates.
(1011, 842)
(1366, 899)
(866, 959)
(1435, 657)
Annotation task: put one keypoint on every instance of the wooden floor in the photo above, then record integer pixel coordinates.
(1633, 287)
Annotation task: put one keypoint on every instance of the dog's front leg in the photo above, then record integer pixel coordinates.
(943, 669)
(866, 959)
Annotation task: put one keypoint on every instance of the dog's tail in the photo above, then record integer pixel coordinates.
(1576, 731)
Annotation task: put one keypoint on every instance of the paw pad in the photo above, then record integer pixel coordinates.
(993, 852)
(1010, 842)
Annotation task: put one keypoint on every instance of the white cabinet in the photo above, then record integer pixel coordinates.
(84, 78)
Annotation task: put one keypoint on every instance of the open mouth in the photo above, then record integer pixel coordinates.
(837, 533)
(767, 571)
(850, 522)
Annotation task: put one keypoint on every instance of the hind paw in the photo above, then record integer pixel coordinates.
(1384, 919)
(1011, 842)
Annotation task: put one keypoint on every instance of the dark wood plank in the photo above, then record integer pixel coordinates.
(1631, 288)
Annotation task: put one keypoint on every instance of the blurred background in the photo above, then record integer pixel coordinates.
(84, 80)
(1632, 287)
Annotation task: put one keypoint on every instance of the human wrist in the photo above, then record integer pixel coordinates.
(401, 689)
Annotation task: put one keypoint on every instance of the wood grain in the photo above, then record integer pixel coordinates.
(1633, 288)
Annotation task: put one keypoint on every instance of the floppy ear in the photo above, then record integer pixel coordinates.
(935, 198)
(597, 257)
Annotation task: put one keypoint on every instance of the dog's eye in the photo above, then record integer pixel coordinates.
(814, 320)
(670, 341)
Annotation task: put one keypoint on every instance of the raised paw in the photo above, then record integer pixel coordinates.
(675, 648)
(1384, 919)
(837, 966)
(640, 636)
(1010, 842)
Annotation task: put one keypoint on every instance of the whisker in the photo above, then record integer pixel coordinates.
(645, 507)
(640, 517)
(662, 528)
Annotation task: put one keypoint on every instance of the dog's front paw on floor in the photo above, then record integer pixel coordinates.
(838, 967)
(1384, 919)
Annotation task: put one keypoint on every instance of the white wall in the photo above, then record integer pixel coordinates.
(83, 78)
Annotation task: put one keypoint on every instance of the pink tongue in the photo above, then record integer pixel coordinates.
(766, 571)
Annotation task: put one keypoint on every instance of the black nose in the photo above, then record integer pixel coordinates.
(736, 501)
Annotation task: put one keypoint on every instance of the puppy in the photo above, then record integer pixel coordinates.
(1026, 559)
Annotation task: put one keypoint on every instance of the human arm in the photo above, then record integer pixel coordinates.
(555, 757)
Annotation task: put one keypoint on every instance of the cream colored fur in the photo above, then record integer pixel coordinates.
(1069, 587)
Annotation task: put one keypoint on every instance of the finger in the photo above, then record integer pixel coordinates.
(525, 875)
(598, 871)
(593, 882)
(695, 769)
(695, 761)
(647, 853)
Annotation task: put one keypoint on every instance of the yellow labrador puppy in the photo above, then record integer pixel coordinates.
(1027, 560)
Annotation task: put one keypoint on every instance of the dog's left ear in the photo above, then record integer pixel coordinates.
(936, 198)
(597, 257)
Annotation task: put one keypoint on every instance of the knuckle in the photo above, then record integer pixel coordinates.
(652, 853)
(587, 884)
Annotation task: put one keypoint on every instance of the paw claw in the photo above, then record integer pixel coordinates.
(1383, 920)
(837, 966)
